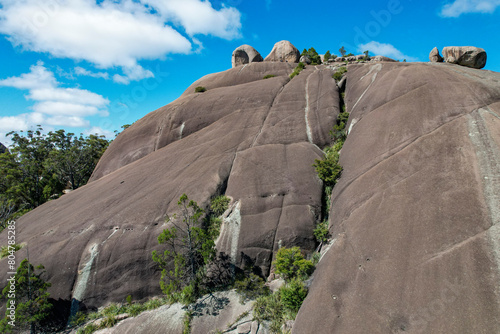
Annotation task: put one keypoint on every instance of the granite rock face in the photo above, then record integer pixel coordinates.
(434, 56)
(245, 54)
(284, 51)
(415, 217)
(254, 140)
(469, 56)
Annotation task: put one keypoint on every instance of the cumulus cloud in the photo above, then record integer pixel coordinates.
(80, 71)
(99, 131)
(114, 33)
(199, 17)
(54, 105)
(459, 7)
(384, 49)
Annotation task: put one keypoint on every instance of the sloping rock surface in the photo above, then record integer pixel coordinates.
(416, 215)
(254, 139)
(415, 218)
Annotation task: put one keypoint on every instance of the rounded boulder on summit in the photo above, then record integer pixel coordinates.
(245, 54)
(284, 51)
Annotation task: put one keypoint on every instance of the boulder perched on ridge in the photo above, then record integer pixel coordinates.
(381, 58)
(434, 56)
(245, 54)
(284, 51)
(305, 60)
(469, 56)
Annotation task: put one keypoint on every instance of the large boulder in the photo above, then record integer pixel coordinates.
(381, 58)
(284, 51)
(305, 59)
(245, 54)
(434, 56)
(469, 56)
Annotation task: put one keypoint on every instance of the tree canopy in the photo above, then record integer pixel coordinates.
(39, 166)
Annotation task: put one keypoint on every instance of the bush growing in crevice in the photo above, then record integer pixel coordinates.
(297, 70)
(268, 76)
(200, 89)
(339, 73)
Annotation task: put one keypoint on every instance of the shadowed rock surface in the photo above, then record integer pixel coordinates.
(415, 217)
(245, 54)
(2, 148)
(465, 55)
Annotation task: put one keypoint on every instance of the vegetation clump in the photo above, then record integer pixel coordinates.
(269, 76)
(312, 55)
(200, 89)
(339, 73)
(38, 167)
(28, 305)
(321, 232)
(297, 70)
(251, 287)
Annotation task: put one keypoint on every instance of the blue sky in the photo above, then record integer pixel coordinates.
(92, 66)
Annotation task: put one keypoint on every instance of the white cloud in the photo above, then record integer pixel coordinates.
(97, 130)
(114, 33)
(133, 73)
(54, 105)
(459, 7)
(199, 17)
(384, 49)
(80, 71)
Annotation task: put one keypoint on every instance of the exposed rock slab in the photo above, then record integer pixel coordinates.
(284, 51)
(412, 220)
(469, 56)
(243, 136)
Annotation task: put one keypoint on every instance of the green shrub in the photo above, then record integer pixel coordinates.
(297, 70)
(321, 232)
(188, 316)
(250, 287)
(135, 309)
(312, 55)
(291, 264)
(219, 204)
(329, 169)
(269, 308)
(78, 319)
(10, 249)
(269, 76)
(292, 295)
(327, 56)
(108, 322)
(339, 73)
(200, 89)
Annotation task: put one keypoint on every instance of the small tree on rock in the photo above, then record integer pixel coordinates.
(190, 248)
(29, 300)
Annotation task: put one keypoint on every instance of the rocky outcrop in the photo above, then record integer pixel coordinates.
(381, 58)
(414, 218)
(245, 54)
(305, 60)
(469, 56)
(254, 140)
(2, 148)
(434, 56)
(284, 51)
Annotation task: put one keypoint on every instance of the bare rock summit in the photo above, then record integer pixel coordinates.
(435, 57)
(284, 51)
(469, 56)
(245, 54)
